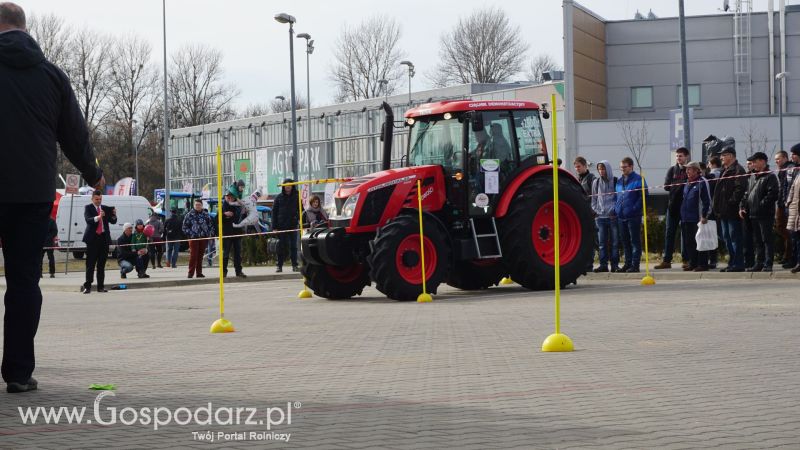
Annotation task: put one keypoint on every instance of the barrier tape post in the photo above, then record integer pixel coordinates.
(648, 280)
(221, 325)
(305, 293)
(424, 297)
(556, 342)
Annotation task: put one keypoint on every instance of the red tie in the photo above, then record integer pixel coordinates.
(99, 222)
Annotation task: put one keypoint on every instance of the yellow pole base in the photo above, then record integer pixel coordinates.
(424, 298)
(222, 326)
(305, 293)
(557, 342)
(506, 280)
(648, 280)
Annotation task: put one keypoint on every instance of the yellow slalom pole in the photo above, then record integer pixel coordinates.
(305, 293)
(221, 325)
(557, 342)
(648, 279)
(424, 297)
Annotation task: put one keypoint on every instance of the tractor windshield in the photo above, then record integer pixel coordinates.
(530, 138)
(436, 142)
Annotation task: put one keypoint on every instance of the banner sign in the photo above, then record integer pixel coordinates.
(241, 171)
(676, 128)
(124, 186)
(312, 165)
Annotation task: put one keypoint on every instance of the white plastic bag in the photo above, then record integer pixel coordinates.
(706, 236)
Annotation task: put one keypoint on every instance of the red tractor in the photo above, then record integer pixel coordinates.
(487, 200)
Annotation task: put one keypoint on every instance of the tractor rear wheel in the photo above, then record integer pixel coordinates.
(396, 261)
(527, 234)
(335, 282)
(476, 275)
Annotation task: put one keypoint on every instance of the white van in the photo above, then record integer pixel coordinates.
(129, 208)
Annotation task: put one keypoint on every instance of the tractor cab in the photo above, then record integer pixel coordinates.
(480, 146)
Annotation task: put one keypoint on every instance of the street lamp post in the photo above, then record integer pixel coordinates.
(165, 206)
(309, 51)
(135, 157)
(779, 78)
(283, 123)
(286, 18)
(411, 73)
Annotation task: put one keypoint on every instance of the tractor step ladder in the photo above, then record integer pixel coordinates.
(490, 239)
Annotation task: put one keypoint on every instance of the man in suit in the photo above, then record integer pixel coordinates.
(40, 114)
(97, 237)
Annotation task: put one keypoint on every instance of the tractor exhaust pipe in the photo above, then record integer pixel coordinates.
(386, 136)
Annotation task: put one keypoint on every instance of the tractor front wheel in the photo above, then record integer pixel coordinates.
(527, 234)
(335, 282)
(396, 263)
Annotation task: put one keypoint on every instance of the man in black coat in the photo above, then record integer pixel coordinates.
(674, 184)
(38, 111)
(285, 216)
(231, 213)
(729, 190)
(759, 205)
(97, 238)
(49, 243)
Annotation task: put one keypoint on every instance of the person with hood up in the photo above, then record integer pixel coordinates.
(629, 214)
(285, 216)
(603, 203)
(156, 249)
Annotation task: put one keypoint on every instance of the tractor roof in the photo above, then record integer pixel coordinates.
(468, 105)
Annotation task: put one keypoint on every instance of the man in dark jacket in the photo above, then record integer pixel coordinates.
(285, 216)
(629, 211)
(39, 111)
(127, 257)
(674, 184)
(759, 204)
(729, 190)
(173, 232)
(231, 213)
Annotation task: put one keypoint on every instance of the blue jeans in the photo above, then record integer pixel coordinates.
(125, 267)
(608, 235)
(630, 235)
(733, 236)
(672, 226)
(173, 248)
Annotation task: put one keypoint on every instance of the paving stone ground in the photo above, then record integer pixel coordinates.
(682, 364)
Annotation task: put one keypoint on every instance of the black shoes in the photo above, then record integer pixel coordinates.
(615, 269)
(101, 289)
(601, 269)
(86, 290)
(241, 275)
(200, 275)
(16, 388)
(123, 275)
(632, 270)
(279, 269)
(295, 269)
(756, 268)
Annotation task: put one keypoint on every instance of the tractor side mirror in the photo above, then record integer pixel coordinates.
(477, 121)
(545, 112)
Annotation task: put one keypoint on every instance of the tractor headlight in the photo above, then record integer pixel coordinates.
(330, 209)
(349, 207)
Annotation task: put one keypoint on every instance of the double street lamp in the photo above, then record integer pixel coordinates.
(283, 122)
(286, 18)
(411, 73)
(309, 51)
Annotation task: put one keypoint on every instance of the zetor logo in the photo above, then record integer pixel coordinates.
(427, 193)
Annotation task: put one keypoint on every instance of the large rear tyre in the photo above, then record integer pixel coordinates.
(335, 282)
(527, 234)
(476, 275)
(395, 260)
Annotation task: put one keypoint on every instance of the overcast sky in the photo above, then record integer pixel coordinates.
(255, 47)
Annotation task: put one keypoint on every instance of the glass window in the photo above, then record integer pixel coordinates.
(529, 134)
(642, 97)
(436, 141)
(694, 95)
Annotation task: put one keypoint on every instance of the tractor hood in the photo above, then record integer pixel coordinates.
(365, 203)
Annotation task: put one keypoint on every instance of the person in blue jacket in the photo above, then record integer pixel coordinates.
(629, 214)
(696, 207)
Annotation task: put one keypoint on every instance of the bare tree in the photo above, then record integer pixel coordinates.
(482, 48)
(89, 69)
(134, 81)
(277, 105)
(540, 64)
(755, 140)
(53, 36)
(196, 87)
(636, 137)
(364, 55)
